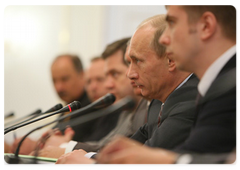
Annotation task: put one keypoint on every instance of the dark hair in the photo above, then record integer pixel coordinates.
(114, 47)
(225, 16)
(77, 63)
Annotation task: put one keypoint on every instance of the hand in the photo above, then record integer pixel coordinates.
(27, 146)
(58, 138)
(75, 157)
(50, 152)
(126, 151)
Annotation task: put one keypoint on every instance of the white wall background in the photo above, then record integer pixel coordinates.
(34, 35)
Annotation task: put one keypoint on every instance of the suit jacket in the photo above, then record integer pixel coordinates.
(177, 118)
(215, 127)
(125, 126)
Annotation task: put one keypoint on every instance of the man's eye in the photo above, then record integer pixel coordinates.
(115, 74)
(170, 23)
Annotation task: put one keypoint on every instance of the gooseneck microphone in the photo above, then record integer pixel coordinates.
(126, 103)
(70, 107)
(36, 112)
(8, 115)
(102, 102)
(52, 109)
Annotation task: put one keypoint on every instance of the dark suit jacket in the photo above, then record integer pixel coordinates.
(215, 127)
(177, 118)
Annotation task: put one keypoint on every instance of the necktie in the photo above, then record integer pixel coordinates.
(160, 115)
(199, 96)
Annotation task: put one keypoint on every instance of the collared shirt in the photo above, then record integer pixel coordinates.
(212, 72)
(180, 85)
(184, 81)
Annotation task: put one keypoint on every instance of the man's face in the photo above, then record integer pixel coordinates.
(95, 80)
(117, 83)
(146, 69)
(136, 89)
(67, 81)
(180, 38)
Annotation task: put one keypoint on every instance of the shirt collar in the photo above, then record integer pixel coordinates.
(214, 69)
(180, 85)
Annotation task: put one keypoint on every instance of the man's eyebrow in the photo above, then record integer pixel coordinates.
(132, 57)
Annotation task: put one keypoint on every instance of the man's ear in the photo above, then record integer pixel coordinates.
(208, 25)
(171, 64)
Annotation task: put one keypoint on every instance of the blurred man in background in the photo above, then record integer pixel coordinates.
(95, 79)
(69, 83)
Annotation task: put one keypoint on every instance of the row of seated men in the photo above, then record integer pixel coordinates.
(170, 114)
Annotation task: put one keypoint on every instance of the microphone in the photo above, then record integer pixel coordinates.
(38, 111)
(102, 102)
(54, 108)
(8, 115)
(126, 103)
(70, 107)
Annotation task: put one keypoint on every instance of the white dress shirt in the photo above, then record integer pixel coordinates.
(212, 72)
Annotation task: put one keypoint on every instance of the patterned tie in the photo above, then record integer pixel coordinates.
(160, 114)
(197, 101)
(199, 96)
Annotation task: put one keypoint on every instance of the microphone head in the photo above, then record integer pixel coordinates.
(38, 111)
(54, 108)
(104, 101)
(109, 98)
(8, 115)
(58, 106)
(74, 105)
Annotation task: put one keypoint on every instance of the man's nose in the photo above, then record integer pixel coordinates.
(131, 73)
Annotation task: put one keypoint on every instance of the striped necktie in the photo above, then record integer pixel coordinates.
(160, 115)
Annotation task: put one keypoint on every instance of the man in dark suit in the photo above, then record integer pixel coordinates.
(173, 91)
(202, 40)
